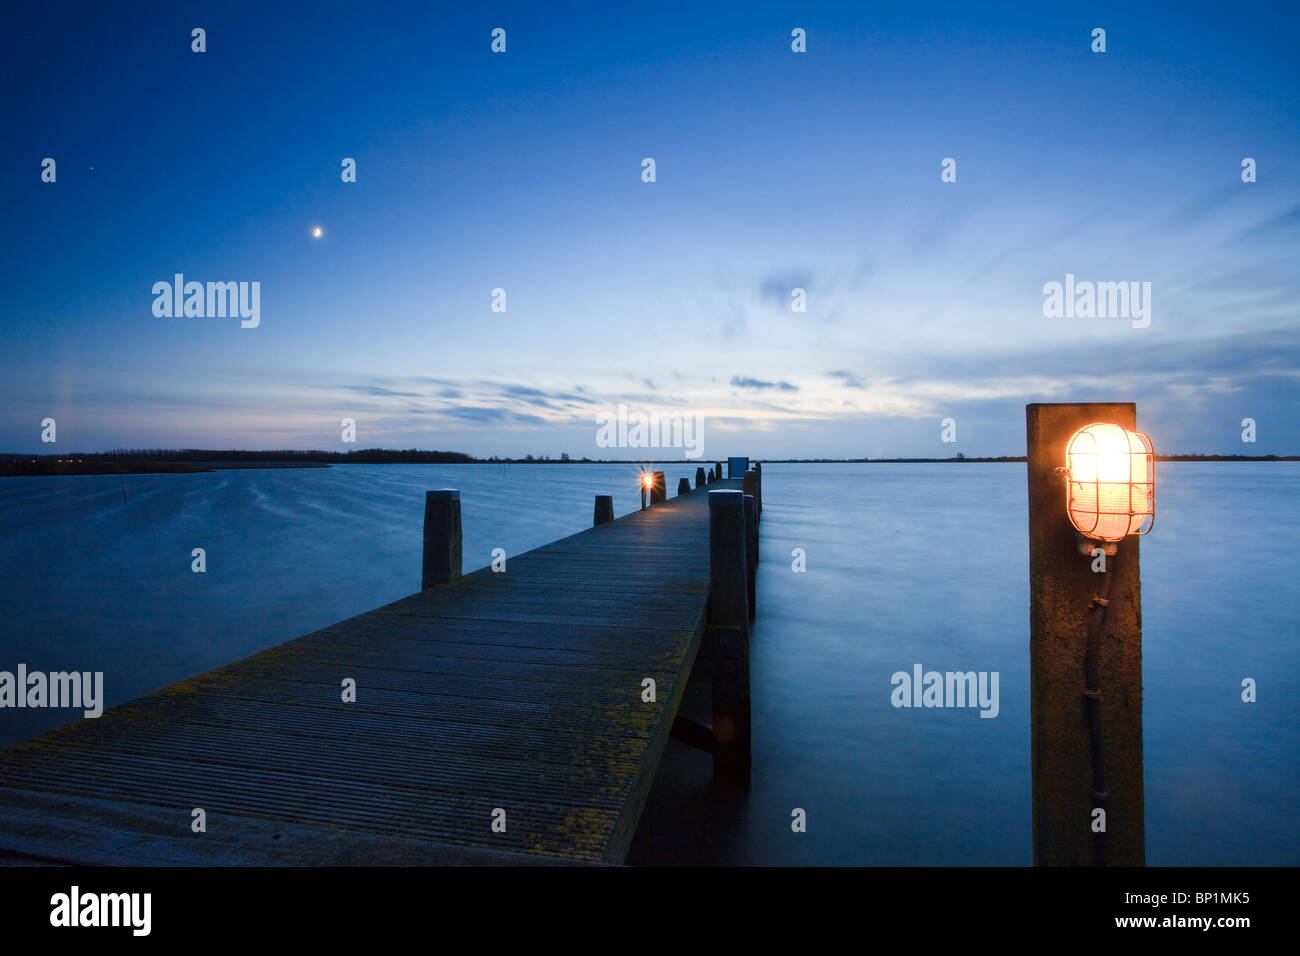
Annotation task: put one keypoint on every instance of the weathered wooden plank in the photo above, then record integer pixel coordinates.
(110, 832)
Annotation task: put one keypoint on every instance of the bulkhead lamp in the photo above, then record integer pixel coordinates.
(1110, 475)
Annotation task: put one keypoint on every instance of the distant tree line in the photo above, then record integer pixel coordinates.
(364, 455)
(173, 460)
(163, 460)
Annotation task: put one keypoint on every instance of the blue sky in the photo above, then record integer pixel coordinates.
(522, 171)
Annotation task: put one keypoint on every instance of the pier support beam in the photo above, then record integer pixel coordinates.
(1062, 585)
(728, 588)
(683, 486)
(699, 477)
(604, 512)
(442, 537)
(753, 485)
(724, 654)
(751, 553)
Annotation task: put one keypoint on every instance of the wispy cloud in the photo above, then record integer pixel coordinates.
(849, 379)
(1285, 226)
(473, 413)
(775, 289)
(738, 381)
(375, 390)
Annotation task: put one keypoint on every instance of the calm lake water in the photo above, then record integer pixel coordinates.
(906, 564)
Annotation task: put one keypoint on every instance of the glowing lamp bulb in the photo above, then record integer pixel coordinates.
(1110, 482)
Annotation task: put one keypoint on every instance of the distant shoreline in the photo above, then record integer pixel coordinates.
(193, 461)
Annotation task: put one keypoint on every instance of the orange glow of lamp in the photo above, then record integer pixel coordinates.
(1110, 475)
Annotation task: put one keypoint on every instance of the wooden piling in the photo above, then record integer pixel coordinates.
(658, 493)
(751, 553)
(442, 537)
(683, 486)
(1068, 760)
(725, 649)
(699, 477)
(728, 589)
(604, 510)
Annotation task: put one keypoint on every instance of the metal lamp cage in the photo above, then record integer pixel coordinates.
(1111, 484)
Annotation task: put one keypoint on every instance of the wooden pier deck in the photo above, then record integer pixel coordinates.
(519, 691)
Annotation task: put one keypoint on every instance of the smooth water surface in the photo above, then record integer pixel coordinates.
(906, 564)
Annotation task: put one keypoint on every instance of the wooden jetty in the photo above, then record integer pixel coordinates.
(499, 718)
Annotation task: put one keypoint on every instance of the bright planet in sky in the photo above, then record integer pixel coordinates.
(316, 232)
